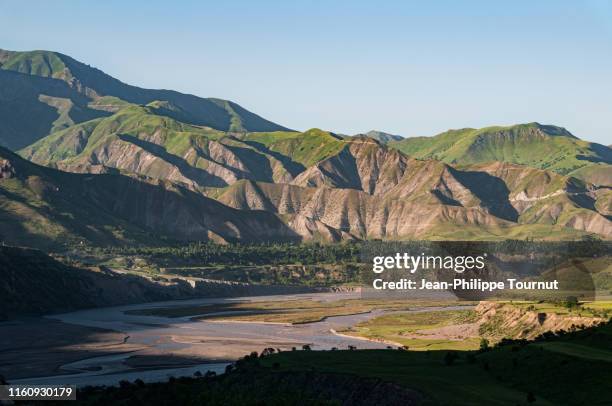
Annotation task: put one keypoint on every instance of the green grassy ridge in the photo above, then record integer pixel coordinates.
(380, 136)
(307, 148)
(61, 145)
(137, 120)
(216, 113)
(281, 152)
(109, 103)
(131, 120)
(543, 147)
(39, 63)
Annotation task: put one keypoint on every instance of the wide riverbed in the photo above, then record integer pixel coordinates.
(160, 347)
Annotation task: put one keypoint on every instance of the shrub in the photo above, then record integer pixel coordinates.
(484, 344)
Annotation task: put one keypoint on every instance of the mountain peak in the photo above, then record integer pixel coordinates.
(381, 136)
(526, 129)
(318, 133)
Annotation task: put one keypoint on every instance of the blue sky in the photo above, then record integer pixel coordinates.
(411, 68)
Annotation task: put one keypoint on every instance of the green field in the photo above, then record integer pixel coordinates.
(419, 331)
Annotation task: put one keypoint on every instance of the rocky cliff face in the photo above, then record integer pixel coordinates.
(369, 191)
(500, 320)
(364, 164)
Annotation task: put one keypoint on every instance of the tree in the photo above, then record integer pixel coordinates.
(450, 357)
(484, 344)
(531, 397)
(571, 302)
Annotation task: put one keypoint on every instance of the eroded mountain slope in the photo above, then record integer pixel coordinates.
(44, 207)
(426, 198)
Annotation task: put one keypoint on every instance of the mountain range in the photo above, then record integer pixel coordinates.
(61, 91)
(103, 162)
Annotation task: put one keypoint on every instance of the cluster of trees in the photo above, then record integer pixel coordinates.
(349, 252)
(242, 254)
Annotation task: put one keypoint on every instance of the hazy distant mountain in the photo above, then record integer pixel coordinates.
(60, 91)
(383, 137)
(540, 146)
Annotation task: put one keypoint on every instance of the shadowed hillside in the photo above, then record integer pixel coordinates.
(44, 207)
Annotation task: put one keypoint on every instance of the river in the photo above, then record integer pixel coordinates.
(193, 344)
